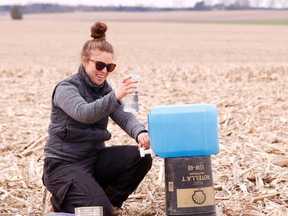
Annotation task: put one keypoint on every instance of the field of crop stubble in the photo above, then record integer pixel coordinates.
(242, 69)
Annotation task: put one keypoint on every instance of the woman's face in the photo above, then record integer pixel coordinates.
(97, 77)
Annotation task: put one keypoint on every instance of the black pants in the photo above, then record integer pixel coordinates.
(106, 179)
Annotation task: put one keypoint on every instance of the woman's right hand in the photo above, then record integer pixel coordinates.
(125, 87)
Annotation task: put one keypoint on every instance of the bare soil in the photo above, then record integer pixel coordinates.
(242, 69)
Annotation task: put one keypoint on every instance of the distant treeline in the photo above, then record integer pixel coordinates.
(57, 8)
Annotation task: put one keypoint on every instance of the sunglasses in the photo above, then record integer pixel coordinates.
(101, 65)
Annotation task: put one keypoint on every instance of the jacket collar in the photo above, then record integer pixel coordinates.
(84, 78)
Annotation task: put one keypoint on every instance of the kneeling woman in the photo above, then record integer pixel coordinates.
(78, 169)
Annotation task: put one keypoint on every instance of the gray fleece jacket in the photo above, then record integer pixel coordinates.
(79, 118)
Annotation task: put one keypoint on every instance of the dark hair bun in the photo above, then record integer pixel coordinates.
(98, 31)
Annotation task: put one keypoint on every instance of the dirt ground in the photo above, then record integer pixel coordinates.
(165, 16)
(242, 69)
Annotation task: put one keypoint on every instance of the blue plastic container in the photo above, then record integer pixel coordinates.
(183, 130)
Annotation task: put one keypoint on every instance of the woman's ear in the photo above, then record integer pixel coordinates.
(84, 61)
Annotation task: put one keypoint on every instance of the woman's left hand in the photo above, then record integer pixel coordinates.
(143, 140)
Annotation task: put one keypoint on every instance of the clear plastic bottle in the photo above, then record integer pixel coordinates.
(131, 100)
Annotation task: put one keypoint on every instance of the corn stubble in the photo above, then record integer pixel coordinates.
(242, 69)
